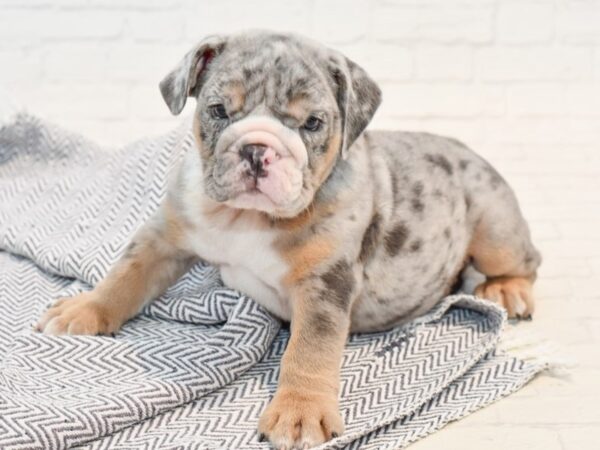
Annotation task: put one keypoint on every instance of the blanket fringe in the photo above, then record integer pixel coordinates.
(534, 348)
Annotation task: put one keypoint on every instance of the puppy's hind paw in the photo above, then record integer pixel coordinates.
(513, 293)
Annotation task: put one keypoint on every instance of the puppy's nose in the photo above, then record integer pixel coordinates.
(254, 154)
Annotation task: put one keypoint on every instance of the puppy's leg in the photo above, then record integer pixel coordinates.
(151, 263)
(304, 411)
(502, 250)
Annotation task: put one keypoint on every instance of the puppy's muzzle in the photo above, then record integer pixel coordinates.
(279, 141)
(257, 158)
(264, 161)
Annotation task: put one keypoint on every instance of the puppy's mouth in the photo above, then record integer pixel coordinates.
(264, 171)
(268, 160)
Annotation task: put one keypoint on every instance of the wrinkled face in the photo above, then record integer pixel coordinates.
(273, 114)
(268, 128)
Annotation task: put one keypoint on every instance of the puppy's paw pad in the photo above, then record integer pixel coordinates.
(513, 293)
(295, 420)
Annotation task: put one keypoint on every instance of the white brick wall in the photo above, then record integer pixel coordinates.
(517, 79)
(499, 74)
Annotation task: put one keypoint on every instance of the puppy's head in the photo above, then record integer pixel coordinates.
(274, 112)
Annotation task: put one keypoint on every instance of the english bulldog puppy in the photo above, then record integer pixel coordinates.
(328, 226)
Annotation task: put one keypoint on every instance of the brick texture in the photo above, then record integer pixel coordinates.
(495, 73)
(518, 80)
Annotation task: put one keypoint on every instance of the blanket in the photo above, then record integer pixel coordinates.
(198, 365)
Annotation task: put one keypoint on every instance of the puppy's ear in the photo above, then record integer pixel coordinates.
(187, 78)
(358, 98)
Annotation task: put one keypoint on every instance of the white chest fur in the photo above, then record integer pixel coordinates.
(240, 243)
(247, 260)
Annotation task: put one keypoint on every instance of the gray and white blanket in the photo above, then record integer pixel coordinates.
(197, 367)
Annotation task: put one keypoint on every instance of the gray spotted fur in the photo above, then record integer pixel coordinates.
(407, 204)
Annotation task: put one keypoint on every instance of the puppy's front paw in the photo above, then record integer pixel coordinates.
(514, 293)
(81, 314)
(300, 420)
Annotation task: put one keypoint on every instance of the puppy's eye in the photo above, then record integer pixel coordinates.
(313, 124)
(218, 111)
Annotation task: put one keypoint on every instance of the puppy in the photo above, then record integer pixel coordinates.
(327, 226)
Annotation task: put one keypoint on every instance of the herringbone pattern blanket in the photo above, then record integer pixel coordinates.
(197, 367)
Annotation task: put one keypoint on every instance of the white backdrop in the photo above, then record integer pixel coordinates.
(499, 74)
(519, 80)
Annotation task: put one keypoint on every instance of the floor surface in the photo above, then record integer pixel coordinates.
(559, 192)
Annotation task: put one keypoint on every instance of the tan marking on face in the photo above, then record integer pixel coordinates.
(299, 107)
(327, 161)
(236, 94)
